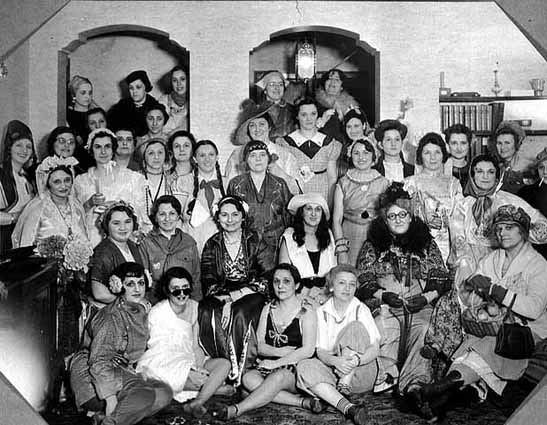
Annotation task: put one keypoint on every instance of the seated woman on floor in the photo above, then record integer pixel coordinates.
(394, 264)
(174, 355)
(511, 277)
(102, 374)
(286, 334)
(309, 245)
(347, 347)
(234, 267)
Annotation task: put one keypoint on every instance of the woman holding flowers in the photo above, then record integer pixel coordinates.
(55, 216)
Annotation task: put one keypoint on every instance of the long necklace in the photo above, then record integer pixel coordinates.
(66, 214)
(148, 193)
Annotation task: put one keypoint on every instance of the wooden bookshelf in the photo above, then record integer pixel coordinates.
(485, 99)
(481, 114)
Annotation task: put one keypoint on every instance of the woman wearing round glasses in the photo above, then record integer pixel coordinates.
(174, 355)
(394, 263)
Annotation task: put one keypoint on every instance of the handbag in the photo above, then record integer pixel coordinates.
(514, 341)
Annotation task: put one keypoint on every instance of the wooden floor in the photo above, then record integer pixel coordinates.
(384, 409)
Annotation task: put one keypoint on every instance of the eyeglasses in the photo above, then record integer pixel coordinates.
(63, 141)
(274, 84)
(177, 292)
(402, 215)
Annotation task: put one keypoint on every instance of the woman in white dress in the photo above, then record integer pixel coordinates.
(174, 355)
(106, 183)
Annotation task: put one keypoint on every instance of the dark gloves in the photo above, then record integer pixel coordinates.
(415, 303)
(498, 293)
(480, 283)
(392, 299)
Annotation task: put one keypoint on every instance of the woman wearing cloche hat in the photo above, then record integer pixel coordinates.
(131, 111)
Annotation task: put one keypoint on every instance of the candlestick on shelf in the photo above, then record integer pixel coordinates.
(497, 88)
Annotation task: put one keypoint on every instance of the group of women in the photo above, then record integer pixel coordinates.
(200, 278)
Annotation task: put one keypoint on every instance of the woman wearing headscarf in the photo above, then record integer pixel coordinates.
(16, 184)
(471, 220)
(131, 111)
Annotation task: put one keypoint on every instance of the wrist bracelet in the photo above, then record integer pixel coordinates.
(358, 359)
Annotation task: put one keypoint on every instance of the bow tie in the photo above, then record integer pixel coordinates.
(208, 187)
(278, 338)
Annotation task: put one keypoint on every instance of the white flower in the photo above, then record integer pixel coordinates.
(115, 284)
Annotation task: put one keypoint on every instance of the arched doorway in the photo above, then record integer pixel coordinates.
(335, 47)
(107, 54)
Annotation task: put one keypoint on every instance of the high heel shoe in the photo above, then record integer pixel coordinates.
(223, 413)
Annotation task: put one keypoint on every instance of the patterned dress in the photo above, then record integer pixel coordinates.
(435, 195)
(360, 204)
(312, 157)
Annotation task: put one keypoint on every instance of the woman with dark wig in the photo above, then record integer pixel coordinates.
(234, 269)
(309, 245)
(103, 374)
(394, 265)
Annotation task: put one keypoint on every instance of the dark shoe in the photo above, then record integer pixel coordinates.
(452, 381)
(416, 399)
(359, 415)
(429, 352)
(313, 404)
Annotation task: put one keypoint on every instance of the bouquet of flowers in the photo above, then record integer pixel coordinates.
(77, 252)
(51, 247)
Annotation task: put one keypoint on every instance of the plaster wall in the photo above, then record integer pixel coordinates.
(417, 40)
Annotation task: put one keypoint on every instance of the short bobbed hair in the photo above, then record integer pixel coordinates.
(433, 139)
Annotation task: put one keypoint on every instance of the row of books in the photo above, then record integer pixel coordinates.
(476, 116)
(479, 145)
